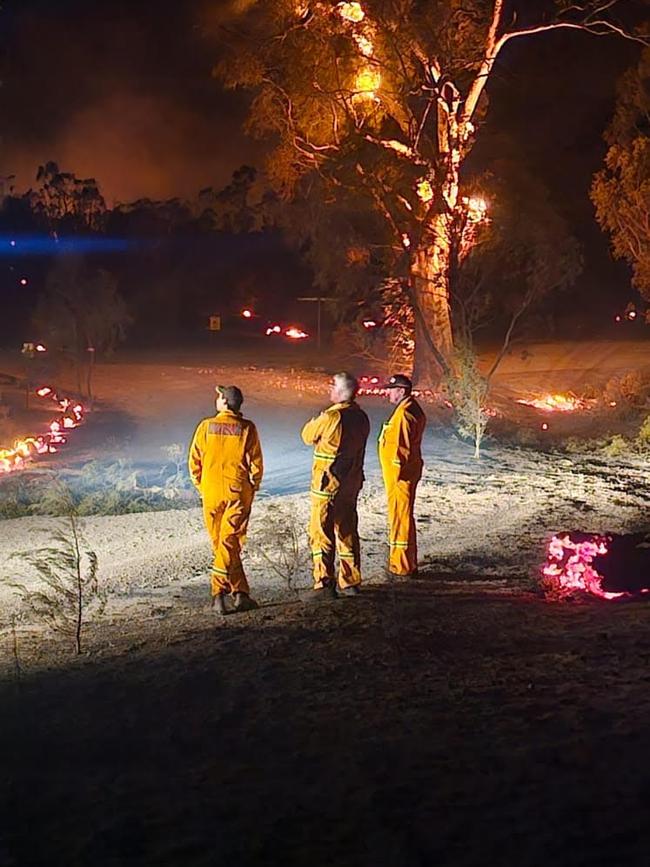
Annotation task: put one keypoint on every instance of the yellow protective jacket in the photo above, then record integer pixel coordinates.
(400, 442)
(225, 458)
(339, 437)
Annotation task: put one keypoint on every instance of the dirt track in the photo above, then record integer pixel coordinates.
(429, 724)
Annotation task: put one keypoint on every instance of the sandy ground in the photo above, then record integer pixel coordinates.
(487, 519)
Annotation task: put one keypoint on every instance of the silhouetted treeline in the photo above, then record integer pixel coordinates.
(175, 262)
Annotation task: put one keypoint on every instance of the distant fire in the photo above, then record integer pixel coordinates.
(558, 403)
(70, 415)
(296, 333)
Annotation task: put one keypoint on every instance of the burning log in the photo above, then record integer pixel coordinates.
(558, 403)
(610, 566)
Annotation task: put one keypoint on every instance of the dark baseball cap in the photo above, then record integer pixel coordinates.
(398, 380)
(232, 395)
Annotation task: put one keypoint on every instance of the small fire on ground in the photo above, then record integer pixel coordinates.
(69, 415)
(578, 563)
(558, 403)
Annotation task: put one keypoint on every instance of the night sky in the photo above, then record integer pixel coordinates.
(121, 90)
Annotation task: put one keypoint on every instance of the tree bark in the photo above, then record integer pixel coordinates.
(430, 272)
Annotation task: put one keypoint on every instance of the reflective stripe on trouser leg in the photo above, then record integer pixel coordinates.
(347, 540)
(403, 556)
(227, 522)
(321, 538)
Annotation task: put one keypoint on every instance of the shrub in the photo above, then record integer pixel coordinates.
(617, 447)
(281, 543)
(643, 436)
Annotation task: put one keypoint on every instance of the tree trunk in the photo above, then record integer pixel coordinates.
(430, 273)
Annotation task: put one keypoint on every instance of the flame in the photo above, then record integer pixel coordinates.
(351, 12)
(367, 82)
(557, 403)
(424, 190)
(476, 208)
(568, 568)
(367, 79)
(25, 449)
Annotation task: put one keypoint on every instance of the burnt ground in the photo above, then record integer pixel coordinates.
(427, 723)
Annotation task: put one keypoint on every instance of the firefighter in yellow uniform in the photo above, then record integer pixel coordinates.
(225, 463)
(400, 456)
(338, 436)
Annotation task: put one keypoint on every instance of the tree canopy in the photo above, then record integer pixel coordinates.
(381, 102)
(621, 190)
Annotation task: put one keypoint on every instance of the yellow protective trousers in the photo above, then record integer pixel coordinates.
(402, 539)
(226, 522)
(225, 463)
(333, 529)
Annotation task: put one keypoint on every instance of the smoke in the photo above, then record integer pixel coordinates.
(130, 101)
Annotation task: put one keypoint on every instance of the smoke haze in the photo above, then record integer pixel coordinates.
(120, 92)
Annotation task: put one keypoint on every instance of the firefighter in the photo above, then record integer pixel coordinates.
(225, 463)
(400, 457)
(339, 437)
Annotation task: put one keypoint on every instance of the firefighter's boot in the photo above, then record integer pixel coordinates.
(219, 604)
(243, 602)
(324, 592)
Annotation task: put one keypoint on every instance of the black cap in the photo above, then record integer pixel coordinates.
(232, 395)
(398, 380)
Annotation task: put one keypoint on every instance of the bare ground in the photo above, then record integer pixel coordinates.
(423, 723)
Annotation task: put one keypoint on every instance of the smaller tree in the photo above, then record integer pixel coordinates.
(70, 595)
(82, 314)
(527, 254)
(468, 391)
(621, 190)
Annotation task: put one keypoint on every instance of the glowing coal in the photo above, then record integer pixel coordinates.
(610, 566)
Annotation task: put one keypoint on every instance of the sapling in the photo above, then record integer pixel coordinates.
(281, 544)
(69, 595)
(468, 389)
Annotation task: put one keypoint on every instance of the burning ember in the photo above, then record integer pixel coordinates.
(296, 333)
(557, 403)
(69, 416)
(581, 562)
(370, 385)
